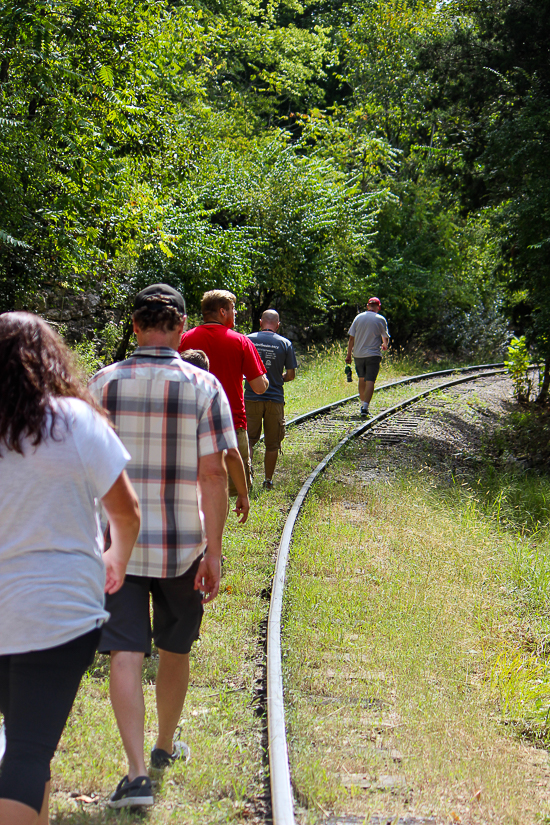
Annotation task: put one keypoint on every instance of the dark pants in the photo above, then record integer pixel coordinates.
(37, 691)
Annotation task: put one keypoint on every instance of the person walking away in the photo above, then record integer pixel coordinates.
(279, 358)
(232, 356)
(233, 460)
(368, 337)
(175, 421)
(58, 454)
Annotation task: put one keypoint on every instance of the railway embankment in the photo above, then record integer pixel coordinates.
(416, 625)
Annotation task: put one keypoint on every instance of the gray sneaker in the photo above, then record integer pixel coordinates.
(135, 794)
(162, 759)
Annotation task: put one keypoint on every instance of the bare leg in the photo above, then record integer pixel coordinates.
(172, 681)
(270, 460)
(369, 390)
(129, 707)
(366, 390)
(16, 813)
(43, 818)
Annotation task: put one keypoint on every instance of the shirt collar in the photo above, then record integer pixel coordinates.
(155, 352)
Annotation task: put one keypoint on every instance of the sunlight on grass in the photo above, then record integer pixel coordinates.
(403, 649)
(349, 575)
(320, 377)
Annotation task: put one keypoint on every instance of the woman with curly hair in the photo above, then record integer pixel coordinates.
(58, 458)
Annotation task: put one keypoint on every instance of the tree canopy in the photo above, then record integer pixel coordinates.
(302, 154)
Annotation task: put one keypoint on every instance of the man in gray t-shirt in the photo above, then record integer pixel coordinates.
(268, 410)
(368, 336)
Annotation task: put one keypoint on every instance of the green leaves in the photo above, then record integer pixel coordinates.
(517, 364)
(106, 75)
(11, 241)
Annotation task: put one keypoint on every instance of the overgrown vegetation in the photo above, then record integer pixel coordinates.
(303, 155)
(420, 647)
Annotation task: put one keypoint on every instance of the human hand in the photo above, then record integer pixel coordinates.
(384, 347)
(208, 577)
(348, 359)
(242, 508)
(115, 570)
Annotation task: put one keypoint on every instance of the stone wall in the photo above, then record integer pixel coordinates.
(78, 314)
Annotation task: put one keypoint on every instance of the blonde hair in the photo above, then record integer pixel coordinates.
(216, 299)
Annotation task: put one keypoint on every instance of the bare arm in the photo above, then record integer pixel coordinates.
(122, 508)
(235, 468)
(351, 342)
(289, 375)
(213, 487)
(259, 385)
(385, 343)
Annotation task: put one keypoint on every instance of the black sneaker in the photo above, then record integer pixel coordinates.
(135, 794)
(162, 759)
(365, 412)
(268, 484)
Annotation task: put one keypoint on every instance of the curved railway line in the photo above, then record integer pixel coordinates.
(255, 737)
(332, 419)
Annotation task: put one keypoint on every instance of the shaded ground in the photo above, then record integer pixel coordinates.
(455, 432)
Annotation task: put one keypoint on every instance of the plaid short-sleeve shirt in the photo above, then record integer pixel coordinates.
(168, 414)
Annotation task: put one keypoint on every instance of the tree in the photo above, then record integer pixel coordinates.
(89, 104)
(500, 151)
(274, 225)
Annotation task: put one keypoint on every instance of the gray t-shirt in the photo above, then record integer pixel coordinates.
(368, 329)
(51, 571)
(277, 353)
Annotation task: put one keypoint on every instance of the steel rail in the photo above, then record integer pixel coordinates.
(410, 379)
(282, 802)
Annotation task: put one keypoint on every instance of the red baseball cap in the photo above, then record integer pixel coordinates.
(374, 301)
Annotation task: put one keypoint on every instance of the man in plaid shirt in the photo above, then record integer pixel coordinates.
(175, 421)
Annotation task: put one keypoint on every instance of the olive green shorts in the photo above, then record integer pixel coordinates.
(242, 445)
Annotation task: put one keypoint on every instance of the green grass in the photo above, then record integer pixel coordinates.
(412, 654)
(219, 721)
(320, 377)
(225, 778)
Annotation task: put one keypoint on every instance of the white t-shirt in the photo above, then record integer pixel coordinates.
(51, 571)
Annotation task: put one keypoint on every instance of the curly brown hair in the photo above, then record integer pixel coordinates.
(157, 312)
(36, 366)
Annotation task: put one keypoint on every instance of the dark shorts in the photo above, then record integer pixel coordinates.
(368, 368)
(37, 690)
(272, 415)
(177, 614)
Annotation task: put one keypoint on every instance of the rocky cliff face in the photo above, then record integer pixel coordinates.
(78, 315)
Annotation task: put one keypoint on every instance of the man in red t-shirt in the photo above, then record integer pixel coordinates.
(231, 356)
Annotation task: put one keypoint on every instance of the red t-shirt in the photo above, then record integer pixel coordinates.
(231, 356)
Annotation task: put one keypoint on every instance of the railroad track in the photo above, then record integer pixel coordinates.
(339, 419)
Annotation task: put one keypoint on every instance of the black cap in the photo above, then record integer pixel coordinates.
(176, 298)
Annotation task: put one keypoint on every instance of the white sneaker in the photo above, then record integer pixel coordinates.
(162, 759)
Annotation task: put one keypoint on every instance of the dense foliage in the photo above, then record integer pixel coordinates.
(303, 154)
